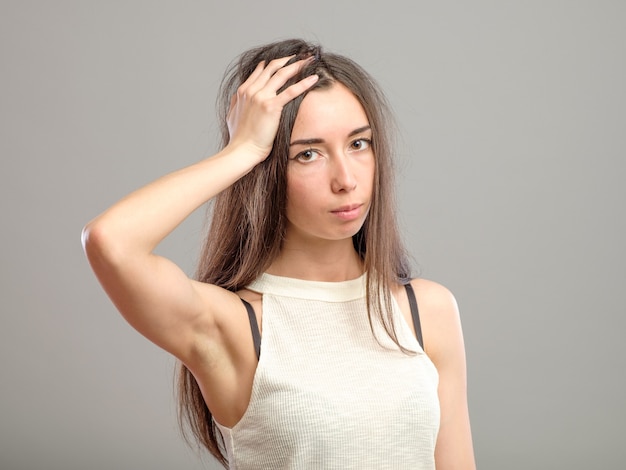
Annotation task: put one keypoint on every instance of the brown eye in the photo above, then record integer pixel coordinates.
(360, 144)
(307, 156)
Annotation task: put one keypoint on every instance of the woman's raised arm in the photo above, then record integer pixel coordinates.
(151, 292)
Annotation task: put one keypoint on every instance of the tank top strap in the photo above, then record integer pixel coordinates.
(414, 312)
(254, 326)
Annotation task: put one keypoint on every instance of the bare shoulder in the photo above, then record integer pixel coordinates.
(439, 316)
(434, 298)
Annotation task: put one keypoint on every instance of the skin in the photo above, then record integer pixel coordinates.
(329, 185)
(331, 167)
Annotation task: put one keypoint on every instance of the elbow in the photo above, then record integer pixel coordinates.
(97, 244)
(87, 237)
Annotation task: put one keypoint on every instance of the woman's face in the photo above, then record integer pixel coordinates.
(330, 173)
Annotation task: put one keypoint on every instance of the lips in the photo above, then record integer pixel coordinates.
(348, 212)
(347, 208)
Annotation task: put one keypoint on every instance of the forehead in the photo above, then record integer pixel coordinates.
(327, 112)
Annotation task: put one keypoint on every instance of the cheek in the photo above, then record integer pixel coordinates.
(299, 193)
(368, 176)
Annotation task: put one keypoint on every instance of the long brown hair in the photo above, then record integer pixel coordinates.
(248, 219)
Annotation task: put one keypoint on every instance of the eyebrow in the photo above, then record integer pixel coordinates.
(321, 141)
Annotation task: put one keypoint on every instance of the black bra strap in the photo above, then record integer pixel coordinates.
(414, 313)
(256, 335)
(254, 326)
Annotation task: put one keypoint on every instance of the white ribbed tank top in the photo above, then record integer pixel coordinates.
(326, 394)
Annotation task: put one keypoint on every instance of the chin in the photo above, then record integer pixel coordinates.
(350, 231)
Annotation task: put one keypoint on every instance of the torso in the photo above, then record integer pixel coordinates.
(320, 365)
(227, 373)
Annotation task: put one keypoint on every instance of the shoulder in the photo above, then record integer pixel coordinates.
(434, 296)
(440, 319)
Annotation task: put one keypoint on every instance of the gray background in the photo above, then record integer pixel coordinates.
(513, 124)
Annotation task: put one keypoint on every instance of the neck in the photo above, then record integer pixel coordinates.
(322, 260)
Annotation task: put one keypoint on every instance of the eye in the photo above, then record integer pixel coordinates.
(360, 144)
(307, 156)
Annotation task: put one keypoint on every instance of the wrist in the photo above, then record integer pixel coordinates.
(244, 155)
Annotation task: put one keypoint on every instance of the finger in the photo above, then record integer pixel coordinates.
(261, 79)
(254, 82)
(284, 74)
(243, 87)
(296, 89)
(258, 70)
(275, 65)
(233, 103)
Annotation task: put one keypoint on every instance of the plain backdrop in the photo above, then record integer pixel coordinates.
(512, 119)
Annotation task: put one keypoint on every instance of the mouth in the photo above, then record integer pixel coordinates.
(348, 212)
(347, 208)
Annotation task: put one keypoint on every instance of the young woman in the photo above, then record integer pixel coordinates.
(301, 341)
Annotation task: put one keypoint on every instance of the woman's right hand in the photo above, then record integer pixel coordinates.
(256, 108)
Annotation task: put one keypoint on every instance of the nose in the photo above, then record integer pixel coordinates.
(342, 177)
